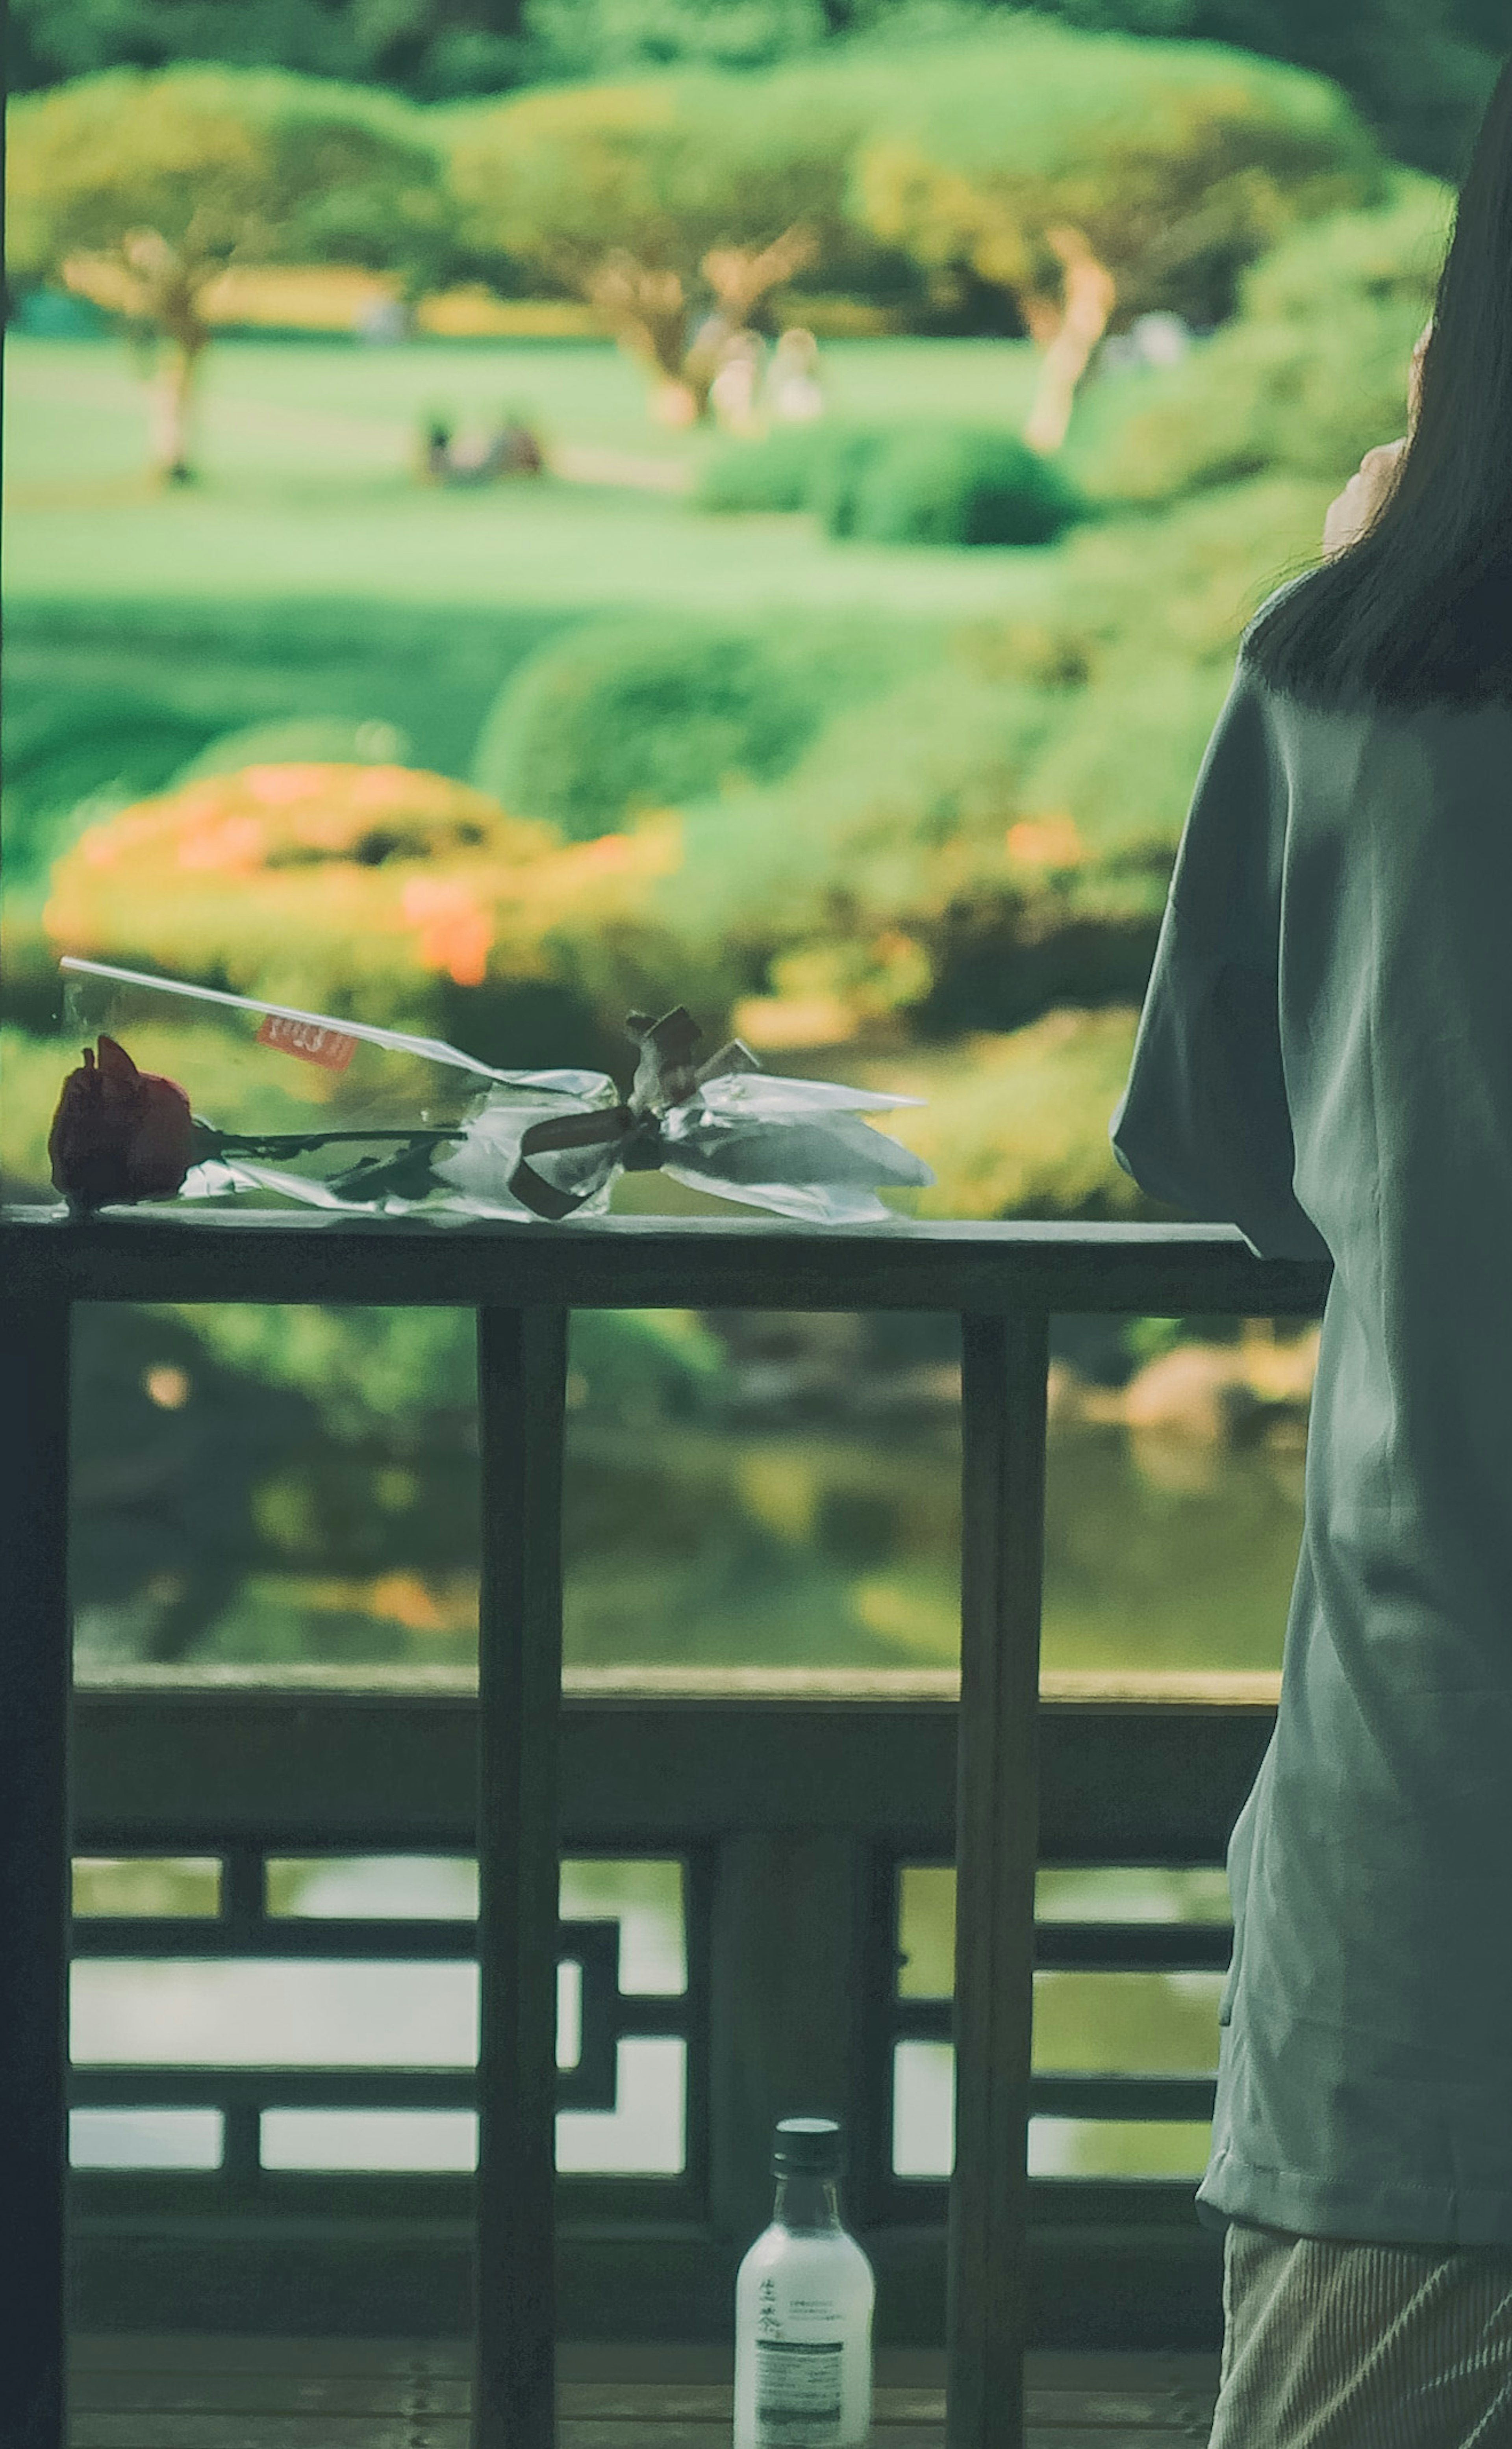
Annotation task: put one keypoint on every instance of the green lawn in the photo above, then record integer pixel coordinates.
(309, 573)
(307, 486)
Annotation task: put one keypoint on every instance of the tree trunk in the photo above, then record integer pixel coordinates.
(647, 311)
(1067, 333)
(170, 282)
(172, 412)
(741, 277)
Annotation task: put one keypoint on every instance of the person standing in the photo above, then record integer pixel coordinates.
(794, 388)
(1325, 1060)
(737, 385)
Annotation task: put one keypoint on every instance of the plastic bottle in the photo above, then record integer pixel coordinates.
(803, 2308)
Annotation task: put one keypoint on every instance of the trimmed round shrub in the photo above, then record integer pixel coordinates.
(299, 739)
(622, 715)
(368, 891)
(953, 485)
(931, 484)
(840, 471)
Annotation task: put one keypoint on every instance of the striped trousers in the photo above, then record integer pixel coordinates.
(1334, 2345)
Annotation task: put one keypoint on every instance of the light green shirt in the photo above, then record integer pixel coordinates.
(1325, 1059)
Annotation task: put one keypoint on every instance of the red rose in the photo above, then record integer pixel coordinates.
(119, 1134)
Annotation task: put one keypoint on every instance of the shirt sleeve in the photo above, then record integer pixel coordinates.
(1203, 1124)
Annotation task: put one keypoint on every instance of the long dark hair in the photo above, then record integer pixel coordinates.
(1420, 607)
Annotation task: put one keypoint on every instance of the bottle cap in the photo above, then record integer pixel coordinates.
(806, 2147)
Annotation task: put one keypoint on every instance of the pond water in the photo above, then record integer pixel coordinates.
(821, 1546)
(820, 1542)
(303, 2013)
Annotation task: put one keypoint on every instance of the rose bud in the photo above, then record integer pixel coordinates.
(119, 1134)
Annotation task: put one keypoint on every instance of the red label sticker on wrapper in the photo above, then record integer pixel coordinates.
(311, 1044)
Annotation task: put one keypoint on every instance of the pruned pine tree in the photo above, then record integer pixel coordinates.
(676, 207)
(1094, 176)
(140, 191)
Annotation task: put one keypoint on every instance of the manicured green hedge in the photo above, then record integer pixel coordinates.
(928, 484)
(627, 714)
(955, 485)
(116, 698)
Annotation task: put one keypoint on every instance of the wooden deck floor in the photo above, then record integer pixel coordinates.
(232, 2393)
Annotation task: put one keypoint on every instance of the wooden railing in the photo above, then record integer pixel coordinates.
(795, 1806)
(1005, 1282)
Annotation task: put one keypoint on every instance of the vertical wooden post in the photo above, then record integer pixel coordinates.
(1003, 1398)
(35, 1676)
(786, 1996)
(522, 1372)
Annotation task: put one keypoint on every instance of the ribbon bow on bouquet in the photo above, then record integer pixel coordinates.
(516, 1144)
(723, 1124)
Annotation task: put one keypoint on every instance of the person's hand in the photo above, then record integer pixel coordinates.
(1351, 514)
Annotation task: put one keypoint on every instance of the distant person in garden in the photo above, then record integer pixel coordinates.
(435, 449)
(1325, 1059)
(1153, 339)
(511, 449)
(382, 323)
(737, 385)
(793, 378)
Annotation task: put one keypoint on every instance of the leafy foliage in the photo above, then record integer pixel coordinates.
(1017, 1126)
(365, 891)
(368, 1369)
(222, 165)
(140, 191)
(117, 695)
(668, 168)
(650, 197)
(1419, 69)
(854, 890)
(609, 38)
(994, 837)
(429, 47)
(1058, 166)
(620, 715)
(1179, 165)
(1312, 372)
(70, 749)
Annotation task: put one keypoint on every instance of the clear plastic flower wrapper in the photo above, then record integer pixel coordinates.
(204, 1097)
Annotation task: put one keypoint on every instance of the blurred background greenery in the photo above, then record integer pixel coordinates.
(807, 468)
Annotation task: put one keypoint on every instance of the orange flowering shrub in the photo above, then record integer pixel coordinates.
(360, 889)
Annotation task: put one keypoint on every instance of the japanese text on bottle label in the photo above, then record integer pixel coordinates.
(797, 2389)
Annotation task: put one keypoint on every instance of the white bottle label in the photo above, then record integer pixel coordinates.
(803, 2343)
(799, 2395)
